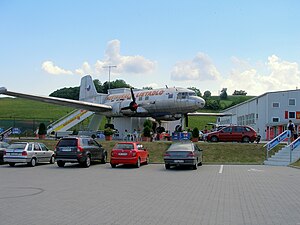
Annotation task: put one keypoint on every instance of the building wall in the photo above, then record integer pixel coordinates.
(268, 114)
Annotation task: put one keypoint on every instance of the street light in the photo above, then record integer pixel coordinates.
(109, 68)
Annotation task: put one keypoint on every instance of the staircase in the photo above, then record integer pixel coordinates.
(283, 157)
(69, 121)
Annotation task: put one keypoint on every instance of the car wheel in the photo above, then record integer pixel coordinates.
(113, 165)
(138, 163)
(61, 164)
(87, 162)
(147, 160)
(200, 164)
(246, 139)
(32, 162)
(103, 160)
(52, 160)
(12, 164)
(214, 139)
(167, 166)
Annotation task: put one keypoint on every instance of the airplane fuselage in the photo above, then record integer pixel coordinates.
(166, 103)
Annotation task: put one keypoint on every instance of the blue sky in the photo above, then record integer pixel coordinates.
(238, 45)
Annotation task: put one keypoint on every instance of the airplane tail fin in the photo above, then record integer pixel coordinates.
(87, 88)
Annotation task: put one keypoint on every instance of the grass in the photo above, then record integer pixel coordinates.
(17, 108)
(213, 153)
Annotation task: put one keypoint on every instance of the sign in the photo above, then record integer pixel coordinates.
(181, 136)
(271, 144)
(295, 143)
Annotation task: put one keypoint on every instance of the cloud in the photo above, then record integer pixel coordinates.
(125, 64)
(280, 75)
(50, 68)
(199, 68)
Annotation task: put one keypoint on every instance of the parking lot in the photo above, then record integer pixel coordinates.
(213, 194)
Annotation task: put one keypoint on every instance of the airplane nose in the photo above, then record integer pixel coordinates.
(198, 102)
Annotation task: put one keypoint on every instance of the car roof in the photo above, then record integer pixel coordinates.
(181, 146)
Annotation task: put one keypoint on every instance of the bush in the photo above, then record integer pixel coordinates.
(42, 129)
(108, 131)
(147, 132)
(195, 133)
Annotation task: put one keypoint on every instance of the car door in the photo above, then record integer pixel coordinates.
(238, 133)
(96, 148)
(143, 152)
(38, 152)
(225, 134)
(198, 153)
(46, 154)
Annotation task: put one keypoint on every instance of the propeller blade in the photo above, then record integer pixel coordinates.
(132, 95)
(186, 119)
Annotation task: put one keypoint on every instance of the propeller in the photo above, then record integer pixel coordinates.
(132, 105)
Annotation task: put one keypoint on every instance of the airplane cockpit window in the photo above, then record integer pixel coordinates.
(192, 94)
(182, 95)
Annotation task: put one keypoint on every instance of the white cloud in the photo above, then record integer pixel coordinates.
(125, 64)
(199, 68)
(281, 75)
(49, 67)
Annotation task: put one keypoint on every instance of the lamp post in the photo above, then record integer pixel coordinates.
(109, 68)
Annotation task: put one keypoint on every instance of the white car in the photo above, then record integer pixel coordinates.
(28, 152)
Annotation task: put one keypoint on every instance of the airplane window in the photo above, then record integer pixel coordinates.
(140, 98)
(147, 98)
(170, 95)
(192, 94)
(184, 95)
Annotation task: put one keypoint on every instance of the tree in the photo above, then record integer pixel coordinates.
(115, 84)
(196, 90)
(207, 94)
(241, 92)
(147, 88)
(223, 94)
(213, 104)
(69, 93)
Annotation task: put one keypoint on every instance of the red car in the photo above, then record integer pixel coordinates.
(132, 153)
(233, 133)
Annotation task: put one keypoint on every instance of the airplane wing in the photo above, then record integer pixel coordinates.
(94, 107)
(209, 114)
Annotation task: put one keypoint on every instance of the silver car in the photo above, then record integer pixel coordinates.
(183, 154)
(28, 152)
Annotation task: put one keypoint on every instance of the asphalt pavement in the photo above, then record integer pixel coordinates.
(212, 195)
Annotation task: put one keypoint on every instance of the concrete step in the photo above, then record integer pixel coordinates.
(276, 163)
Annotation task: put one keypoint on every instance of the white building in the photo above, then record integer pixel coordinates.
(268, 113)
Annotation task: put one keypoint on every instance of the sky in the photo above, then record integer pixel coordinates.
(208, 44)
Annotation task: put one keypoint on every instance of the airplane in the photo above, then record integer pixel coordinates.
(165, 104)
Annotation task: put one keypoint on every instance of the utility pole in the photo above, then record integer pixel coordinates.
(109, 68)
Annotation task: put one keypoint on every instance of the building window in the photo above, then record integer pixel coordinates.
(275, 104)
(292, 101)
(292, 115)
(275, 119)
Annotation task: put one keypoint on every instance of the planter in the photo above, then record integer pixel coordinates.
(148, 139)
(194, 139)
(42, 136)
(108, 138)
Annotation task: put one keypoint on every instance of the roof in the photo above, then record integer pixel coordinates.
(257, 97)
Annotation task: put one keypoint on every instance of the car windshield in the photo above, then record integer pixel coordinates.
(124, 146)
(67, 143)
(17, 146)
(180, 147)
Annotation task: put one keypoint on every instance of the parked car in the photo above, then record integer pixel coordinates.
(78, 149)
(31, 153)
(233, 133)
(3, 147)
(132, 153)
(183, 154)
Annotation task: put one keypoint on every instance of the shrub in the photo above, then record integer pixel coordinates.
(42, 129)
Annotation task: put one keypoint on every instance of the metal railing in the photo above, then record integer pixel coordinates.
(277, 140)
